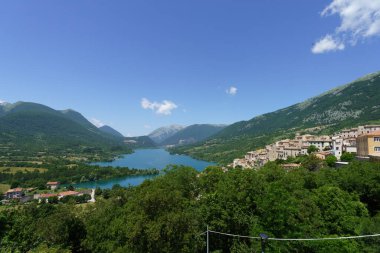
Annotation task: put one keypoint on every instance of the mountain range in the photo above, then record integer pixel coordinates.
(192, 134)
(349, 105)
(34, 127)
(111, 131)
(161, 134)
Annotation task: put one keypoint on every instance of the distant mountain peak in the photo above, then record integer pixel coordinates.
(110, 130)
(161, 134)
(193, 134)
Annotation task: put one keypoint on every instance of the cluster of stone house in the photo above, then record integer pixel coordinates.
(348, 140)
(46, 196)
(21, 193)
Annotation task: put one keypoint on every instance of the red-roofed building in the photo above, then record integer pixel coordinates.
(323, 154)
(68, 193)
(15, 193)
(53, 185)
(44, 196)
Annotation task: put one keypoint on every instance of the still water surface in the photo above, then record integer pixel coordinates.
(144, 159)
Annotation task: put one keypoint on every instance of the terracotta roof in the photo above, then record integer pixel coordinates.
(68, 193)
(15, 190)
(323, 153)
(53, 183)
(292, 148)
(374, 133)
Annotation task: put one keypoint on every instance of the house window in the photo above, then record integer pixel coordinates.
(376, 139)
(377, 149)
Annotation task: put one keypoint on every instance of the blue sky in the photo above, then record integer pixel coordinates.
(138, 65)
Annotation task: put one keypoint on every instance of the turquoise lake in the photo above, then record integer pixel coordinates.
(144, 159)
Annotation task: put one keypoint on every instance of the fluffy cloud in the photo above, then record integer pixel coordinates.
(164, 108)
(96, 122)
(3, 102)
(232, 90)
(328, 43)
(360, 20)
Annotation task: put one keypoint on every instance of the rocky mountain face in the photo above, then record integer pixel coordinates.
(161, 134)
(193, 134)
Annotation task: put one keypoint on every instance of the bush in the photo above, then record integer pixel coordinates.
(347, 157)
(312, 149)
(331, 160)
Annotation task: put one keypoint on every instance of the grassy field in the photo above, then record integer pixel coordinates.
(4, 188)
(14, 170)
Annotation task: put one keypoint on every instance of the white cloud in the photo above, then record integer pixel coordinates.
(147, 126)
(232, 90)
(96, 122)
(164, 108)
(360, 20)
(328, 43)
(3, 102)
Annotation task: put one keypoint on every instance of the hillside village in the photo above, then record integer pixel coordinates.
(360, 141)
(53, 193)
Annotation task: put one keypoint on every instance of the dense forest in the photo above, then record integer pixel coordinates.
(170, 213)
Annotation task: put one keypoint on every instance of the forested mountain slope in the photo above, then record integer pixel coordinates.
(345, 106)
(193, 134)
(37, 128)
(111, 131)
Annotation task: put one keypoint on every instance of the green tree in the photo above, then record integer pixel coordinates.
(313, 163)
(347, 157)
(331, 160)
(312, 149)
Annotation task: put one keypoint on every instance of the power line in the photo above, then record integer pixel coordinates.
(293, 239)
(324, 239)
(232, 235)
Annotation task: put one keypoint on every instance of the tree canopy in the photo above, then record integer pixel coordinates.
(170, 213)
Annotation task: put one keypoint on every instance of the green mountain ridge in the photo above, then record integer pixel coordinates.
(32, 127)
(345, 106)
(192, 134)
(110, 130)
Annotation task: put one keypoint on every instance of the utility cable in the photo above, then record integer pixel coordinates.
(294, 239)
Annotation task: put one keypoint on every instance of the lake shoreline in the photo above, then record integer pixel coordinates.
(153, 158)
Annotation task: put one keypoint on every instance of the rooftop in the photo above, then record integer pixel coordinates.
(15, 190)
(53, 183)
(374, 133)
(68, 193)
